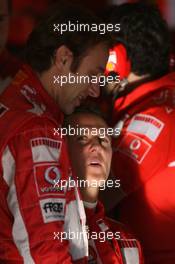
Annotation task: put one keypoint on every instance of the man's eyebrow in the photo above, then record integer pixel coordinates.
(107, 136)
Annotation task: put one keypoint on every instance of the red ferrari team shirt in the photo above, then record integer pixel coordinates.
(35, 211)
(114, 245)
(144, 160)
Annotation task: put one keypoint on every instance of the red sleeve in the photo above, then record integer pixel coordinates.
(118, 246)
(33, 159)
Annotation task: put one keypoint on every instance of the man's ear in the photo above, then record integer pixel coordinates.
(63, 58)
(94, 90)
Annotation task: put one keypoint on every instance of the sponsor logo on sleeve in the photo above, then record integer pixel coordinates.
(45, 149)
(30, 94)
(134, 147)
(46, 175)
(146, 125)
(52, 209)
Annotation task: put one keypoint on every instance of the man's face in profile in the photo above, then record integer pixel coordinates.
(4, 23)
(90, 154)
(93, 63)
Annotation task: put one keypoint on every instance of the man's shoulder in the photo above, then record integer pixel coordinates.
(15, 117)
(157, 106)
(22, 103)
(24, 116)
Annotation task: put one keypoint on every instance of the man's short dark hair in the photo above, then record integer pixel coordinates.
(44, 41)
(87, 108)
(146, 37)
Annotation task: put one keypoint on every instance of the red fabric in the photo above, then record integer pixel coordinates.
(144, 160)
(111, 250)
(31, 158)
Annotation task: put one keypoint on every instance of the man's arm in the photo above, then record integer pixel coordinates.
(31, 162)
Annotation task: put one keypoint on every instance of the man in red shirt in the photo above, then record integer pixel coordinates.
(109, 242)
(144, 156)
(32, 150)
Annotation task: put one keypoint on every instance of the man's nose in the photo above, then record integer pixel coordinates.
(95, 145)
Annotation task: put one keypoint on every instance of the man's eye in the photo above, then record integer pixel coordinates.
(105, 141)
